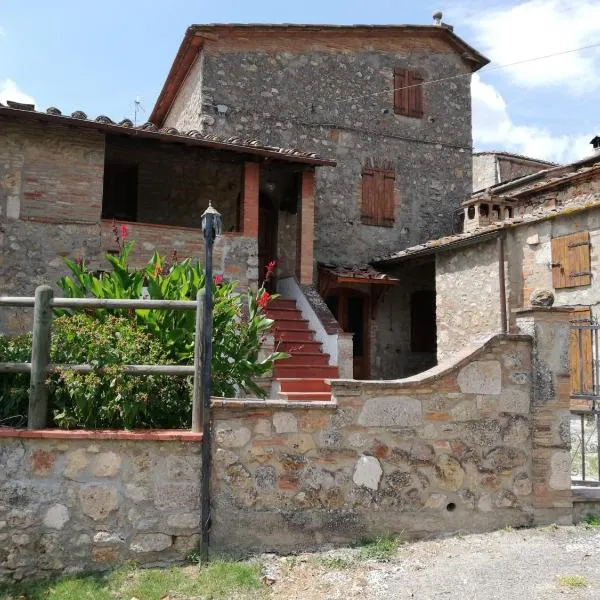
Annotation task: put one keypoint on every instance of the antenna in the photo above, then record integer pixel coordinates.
(137, 106)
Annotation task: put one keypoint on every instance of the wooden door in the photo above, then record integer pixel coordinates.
(581, 353)
(352, 310)
(267, 242)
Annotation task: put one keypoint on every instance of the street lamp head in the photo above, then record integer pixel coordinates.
(211, 221)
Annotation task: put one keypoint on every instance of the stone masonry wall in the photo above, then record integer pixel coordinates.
(72, 505)
(422, 456)
(253, 90)
(467, 297)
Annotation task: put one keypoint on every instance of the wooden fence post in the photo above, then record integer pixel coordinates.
(40, 357)
(197, 408)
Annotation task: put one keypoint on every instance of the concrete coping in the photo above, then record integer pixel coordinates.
(435, 373)
(585, 493)
(542, 309)
(140, 435)
(242, 404)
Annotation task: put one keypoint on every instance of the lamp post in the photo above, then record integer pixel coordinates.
(211, 228)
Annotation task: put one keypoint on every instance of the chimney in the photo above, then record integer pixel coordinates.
(437, 18)
(596, 144)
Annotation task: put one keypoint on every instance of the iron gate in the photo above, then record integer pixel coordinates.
(584, 359)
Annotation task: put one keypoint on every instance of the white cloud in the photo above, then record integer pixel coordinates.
(494, 129)
(509, 34)
(10, 91)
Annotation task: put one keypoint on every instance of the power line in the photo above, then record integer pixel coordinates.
(459, 75)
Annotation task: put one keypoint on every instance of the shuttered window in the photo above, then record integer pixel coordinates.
(571, 264)
(408, 93)
(378, 197)
(580, 352)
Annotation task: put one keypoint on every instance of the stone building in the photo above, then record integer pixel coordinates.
(369, 96)
(64, 180)
(491, 168)
(537, 233)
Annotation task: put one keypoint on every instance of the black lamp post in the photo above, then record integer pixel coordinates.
(211, 228)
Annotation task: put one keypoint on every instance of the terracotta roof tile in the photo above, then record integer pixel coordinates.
(15, 109)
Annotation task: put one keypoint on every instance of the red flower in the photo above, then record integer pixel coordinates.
(79, 262)
(263, 299)
(124, 232)
(218, 279)
(270, 269)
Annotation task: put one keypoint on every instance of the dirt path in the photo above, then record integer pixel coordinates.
(540, 564)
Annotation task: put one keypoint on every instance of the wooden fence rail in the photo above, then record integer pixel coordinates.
(40, 366)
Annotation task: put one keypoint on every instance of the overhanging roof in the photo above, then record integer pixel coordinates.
(250, 147)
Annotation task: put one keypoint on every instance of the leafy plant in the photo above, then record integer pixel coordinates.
(381, 549)
(239, 322)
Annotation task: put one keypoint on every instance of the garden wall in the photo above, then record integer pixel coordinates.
(81, 501)
(448, 451)
(473, 445)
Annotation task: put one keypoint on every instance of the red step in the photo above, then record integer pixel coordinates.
(284, 314)
(299, 371)
(287, 385)
(294, 336)
(306, 358)
(281, 303)
(299, 346)
(290, 325)
(306, 396)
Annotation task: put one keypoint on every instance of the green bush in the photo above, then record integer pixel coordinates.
(14, 387)
(111, 398)
(102, 399)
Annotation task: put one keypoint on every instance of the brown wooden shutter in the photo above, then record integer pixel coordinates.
(368, 196)
(389, 179)
(401, 96)
(415, 95)
(571, 263)
(377, 197)
(580, 353)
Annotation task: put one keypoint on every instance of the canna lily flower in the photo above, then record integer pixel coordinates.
(124, 232)
(218, 279)
(263, 299)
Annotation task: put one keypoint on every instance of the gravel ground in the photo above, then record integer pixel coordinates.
(524, 564)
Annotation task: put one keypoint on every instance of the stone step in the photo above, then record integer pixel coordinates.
(305, 358)
(287, 385)
(300, 371)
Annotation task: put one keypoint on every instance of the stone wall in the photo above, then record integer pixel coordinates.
(175, 183)
(467, 286)
(490, 168)
(447, 452)
(467, 296)
(71, 505)
(253, 90)
(476, 444)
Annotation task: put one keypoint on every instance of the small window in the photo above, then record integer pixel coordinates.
(484, 210)
(408, 93)
(571, 262)
(496, 211)
(120, 192)
(378, 197)
(471, 212)
(508, 212)
(423, 329)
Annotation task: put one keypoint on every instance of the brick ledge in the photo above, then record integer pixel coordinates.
(162, 435)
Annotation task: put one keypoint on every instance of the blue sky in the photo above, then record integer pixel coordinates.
(100, 56)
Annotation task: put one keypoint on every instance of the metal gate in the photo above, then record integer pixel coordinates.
(584, 362)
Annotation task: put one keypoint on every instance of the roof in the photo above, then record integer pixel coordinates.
(27, 112)
(513, 155)
(196, 34)
(357, 274)
(544, 176)
(581, 203)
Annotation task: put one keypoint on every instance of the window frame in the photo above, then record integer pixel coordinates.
(378, 188)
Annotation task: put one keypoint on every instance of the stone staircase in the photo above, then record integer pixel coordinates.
(301, 377)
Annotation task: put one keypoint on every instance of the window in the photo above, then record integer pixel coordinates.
(378, 197)
(408, 93)
(120, 192)
(571, 264)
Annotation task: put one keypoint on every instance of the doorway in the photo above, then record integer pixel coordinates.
(267, 239)
(352, 310)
